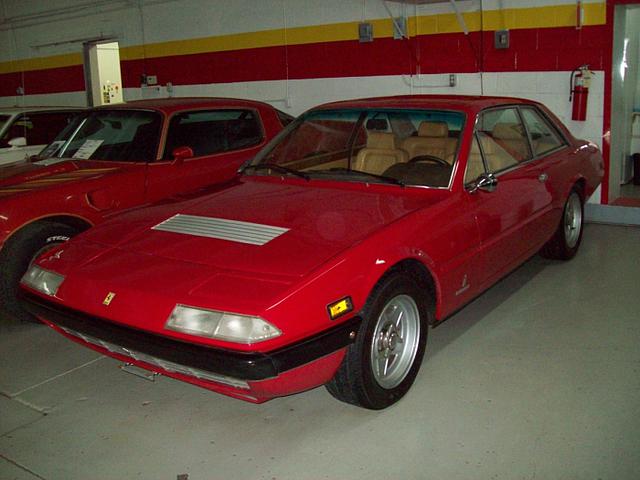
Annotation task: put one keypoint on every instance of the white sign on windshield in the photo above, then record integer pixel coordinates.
(87, 149)
(51, 149)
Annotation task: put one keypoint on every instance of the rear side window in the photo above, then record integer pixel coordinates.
(502, 138)
(543, 137)
(208, 132)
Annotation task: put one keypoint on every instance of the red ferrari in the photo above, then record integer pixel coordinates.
(115, 157)
(325, 263)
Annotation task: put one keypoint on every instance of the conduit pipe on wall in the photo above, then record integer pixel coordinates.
(69, 13)
(397, 26)
(57, 11)
(410, 80)
(459, 16)
(287, 97)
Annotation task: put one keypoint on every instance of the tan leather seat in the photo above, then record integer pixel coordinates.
(433, 139)
(511, 137)
(380, 153)
(497, 158)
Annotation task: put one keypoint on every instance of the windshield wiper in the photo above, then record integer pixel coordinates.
(384, 178)
(277, 168)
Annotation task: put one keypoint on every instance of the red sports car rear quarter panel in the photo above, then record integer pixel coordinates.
(83, 190)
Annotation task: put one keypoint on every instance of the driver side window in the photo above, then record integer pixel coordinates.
(502, 138)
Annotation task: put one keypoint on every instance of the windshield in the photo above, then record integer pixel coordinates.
(405, 147)
(114, 135)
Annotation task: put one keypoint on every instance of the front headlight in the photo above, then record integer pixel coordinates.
(227, 326)
(42, 280)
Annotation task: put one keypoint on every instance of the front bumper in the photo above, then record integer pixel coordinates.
(206, 364)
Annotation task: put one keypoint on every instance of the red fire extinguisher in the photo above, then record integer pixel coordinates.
(579, 92)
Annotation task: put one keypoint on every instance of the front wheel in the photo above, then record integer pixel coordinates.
(380, 367)
(566, 240)
(19, 252)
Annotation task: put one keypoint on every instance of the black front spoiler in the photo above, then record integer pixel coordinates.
(249, 366)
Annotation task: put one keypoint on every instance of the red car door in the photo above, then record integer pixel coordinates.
(213, 145)
(550, 152)
(510, 217)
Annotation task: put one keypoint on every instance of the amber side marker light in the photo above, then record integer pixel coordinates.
(339, 308)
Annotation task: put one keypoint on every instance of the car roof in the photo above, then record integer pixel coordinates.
(469, 103)
(169, 105)
(15, 110)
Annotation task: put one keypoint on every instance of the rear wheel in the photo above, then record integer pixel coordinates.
(566, 240)
(380, 367)
(19, 252)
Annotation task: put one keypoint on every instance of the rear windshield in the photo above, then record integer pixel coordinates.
(114, 135)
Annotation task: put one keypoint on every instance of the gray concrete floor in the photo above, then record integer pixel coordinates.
(538, 378)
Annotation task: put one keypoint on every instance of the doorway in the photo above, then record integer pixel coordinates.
(625, 107)
(102, 73)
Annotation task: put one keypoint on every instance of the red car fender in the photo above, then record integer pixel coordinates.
(388, 259)
(303, 311)
(11, 229)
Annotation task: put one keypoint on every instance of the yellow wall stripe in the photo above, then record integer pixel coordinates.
(510, 18)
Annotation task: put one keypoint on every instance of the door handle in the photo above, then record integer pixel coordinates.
(543, 177)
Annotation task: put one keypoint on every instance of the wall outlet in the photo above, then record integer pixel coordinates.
(501, 39)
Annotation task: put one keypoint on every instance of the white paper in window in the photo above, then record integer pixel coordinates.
(51, 149)
(87, 149)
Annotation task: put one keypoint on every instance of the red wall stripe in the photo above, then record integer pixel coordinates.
(52, 80)
(546, 49)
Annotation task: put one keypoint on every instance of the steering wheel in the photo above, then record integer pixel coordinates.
(430, 158)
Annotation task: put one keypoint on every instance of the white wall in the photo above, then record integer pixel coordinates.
(162, 21)
(41, 29)
(550, 88)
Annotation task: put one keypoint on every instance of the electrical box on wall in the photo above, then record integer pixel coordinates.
(111, 93)
(502, 39)
(365, 32)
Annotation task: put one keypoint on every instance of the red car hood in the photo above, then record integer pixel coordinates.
(312, 224)
(27, 176)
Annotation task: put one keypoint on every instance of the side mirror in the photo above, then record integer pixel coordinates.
(180, 154)
(18, 142)
(487, 182)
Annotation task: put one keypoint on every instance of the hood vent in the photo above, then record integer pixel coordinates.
(220, 228)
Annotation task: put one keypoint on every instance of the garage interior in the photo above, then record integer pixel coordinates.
(537, 378)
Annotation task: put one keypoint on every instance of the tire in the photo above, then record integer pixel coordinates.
(361, 379)
(566, 240)
(18, 253)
